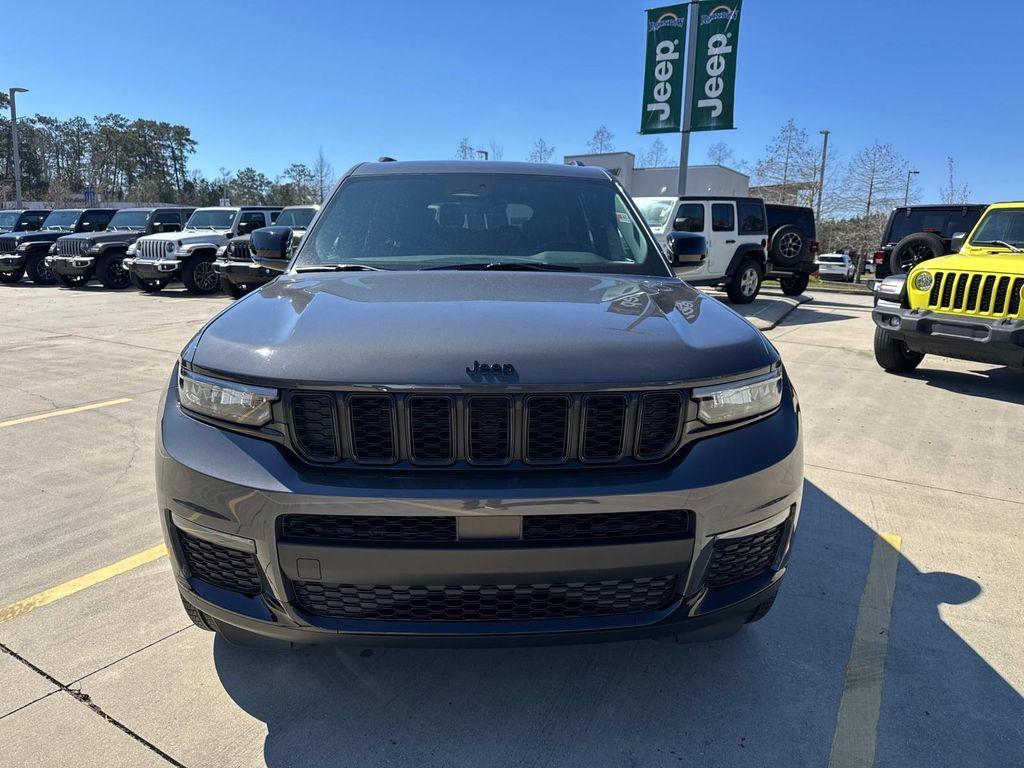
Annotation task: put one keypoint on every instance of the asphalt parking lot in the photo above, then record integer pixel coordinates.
(896, 640)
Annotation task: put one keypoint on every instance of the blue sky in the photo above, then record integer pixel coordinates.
(266, 83)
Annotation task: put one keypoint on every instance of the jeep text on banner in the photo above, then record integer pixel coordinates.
(663, 71)
(714, 76)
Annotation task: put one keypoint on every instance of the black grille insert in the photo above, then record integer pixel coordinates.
(660, 419)
(373, 428)
(663, 524)
(490, 429)
(316, 428)
(364, 528)
(547, 429)
(604, 423)
(735, 560)
(488, 602)
(430, 429)
(220, 566)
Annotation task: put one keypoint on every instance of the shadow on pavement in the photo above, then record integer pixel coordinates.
(996, 383)
(767, 696)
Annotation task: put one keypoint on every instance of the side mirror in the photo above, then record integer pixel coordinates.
(86, 226)
(272, 247)
(688, 249)
(957, 242)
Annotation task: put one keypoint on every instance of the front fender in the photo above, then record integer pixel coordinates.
(189, 250)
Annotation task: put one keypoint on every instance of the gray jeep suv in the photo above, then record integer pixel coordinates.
(477, 407)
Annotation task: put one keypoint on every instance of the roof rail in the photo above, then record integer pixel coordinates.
(576, 162)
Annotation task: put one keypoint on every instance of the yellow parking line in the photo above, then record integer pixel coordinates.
(853, 744)
(64, 412)
(53, 594)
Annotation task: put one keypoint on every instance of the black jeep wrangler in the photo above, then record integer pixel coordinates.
(792, 242)
(918, 232)
(22, 252)
(239, 272)
(81, 257)
(22, 220)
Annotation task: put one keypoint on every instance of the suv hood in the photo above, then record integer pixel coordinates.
(192, 236)
(123, 236)
(977, 259)
(426, 328)
(39, 236)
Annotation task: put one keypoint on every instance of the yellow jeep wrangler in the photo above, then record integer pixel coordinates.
(968, 305)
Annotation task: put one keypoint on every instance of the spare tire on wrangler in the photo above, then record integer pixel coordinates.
(788, 246)
(913, 249)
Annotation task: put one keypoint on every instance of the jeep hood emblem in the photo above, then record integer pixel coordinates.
(492, 369)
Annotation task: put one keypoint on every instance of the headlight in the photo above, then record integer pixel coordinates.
(95, 248)
(25, 246)
(170, 247)
(738, 400)
(923, 281)
(225, 400)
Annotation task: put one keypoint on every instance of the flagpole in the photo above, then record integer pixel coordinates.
(692, 22)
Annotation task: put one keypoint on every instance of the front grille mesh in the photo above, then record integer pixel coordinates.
(994, 296)
(735, 560)
(368, 528)
(220, 566)
(488, 430)
(487, 602)
(580, 528)
(8, 245)
(68, 246)
(239, 250)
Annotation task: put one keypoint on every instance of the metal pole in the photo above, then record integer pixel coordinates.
(14, 138)
(906, 192)
(691, 62)
(821, 171)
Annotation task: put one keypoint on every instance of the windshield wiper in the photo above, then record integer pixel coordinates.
(339, 268)
(1003, 243)
(510, 266)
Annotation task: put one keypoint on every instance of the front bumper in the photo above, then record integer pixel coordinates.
(153, 269)
(232, 491)
(71, 265)
(997, 341)
(243, 272)
(11, 262)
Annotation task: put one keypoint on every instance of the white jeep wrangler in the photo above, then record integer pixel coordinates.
(153, 261)
(747, 241)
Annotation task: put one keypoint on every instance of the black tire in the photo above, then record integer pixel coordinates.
(12, 277)
(199, 277)
(788, 246)
(111, 272)
(38, 272)
(148, 286)
(745, 283)
(914, 249)
(72, 281)
(234, 290)
(794, 285)
(199, 618)
(893, 355)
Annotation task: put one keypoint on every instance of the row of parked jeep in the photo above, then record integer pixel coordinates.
(207, 249)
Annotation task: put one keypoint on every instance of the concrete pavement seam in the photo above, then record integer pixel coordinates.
(84, 698)
(146, 647)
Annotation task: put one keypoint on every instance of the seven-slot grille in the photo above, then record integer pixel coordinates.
(8, 245)
(976, 294)
(487, 602)
(67, 246)
(150, 249)
(238, 250)
(485, 430)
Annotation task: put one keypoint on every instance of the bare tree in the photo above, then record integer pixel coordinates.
(719, 153)
(541, 152)
(875, 178)
(788, 165)
(953, 193)
(656, 155)
(497, 150)
(323, 176)
(601, 141)
(465, 150)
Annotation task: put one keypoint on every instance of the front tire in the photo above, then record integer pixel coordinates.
(72, 281)
(746, 283)
(893, 354)
(199, 276)
(794, 285)
(38, 272)
(112, 273)
(12, 277)
(147, 286)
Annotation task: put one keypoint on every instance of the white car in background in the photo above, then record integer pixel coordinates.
(836, 266)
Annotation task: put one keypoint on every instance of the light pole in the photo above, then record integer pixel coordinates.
(821, 171)
(14, 139)
(906, 192)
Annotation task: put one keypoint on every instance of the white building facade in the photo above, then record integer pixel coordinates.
(701, 180)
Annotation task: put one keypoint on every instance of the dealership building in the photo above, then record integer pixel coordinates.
(701, 180)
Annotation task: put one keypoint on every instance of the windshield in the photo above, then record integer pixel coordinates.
(61, 219)
(129, 220)
(9, 218)
(211, 219)
(1006, 224)
(476, 220)
(655, 209)
(297, 218)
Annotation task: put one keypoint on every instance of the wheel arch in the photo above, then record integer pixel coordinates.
(752, 250)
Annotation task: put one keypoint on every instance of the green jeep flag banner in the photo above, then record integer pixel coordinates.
(663, 70)
(714, 73)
